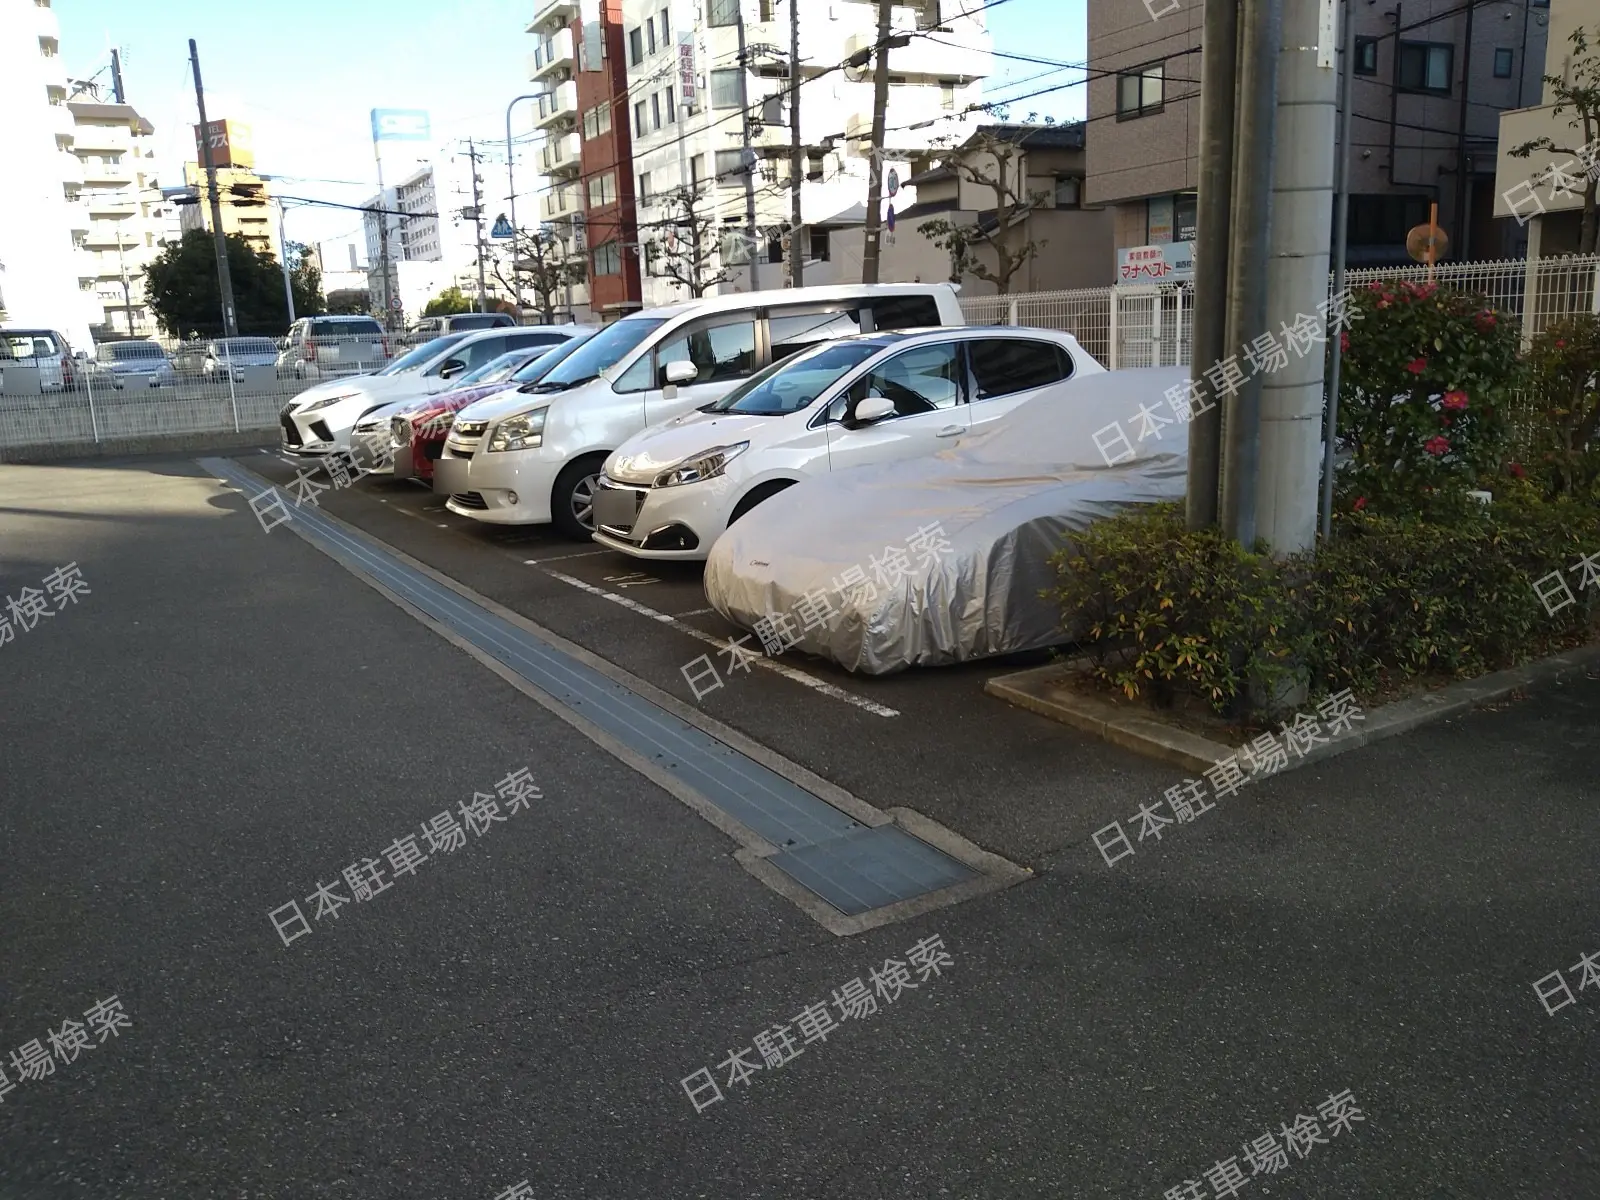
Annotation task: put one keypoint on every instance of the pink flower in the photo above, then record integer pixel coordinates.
(1344, 342)
(1516, 469)
(1455, 401)
(1485, 321)
(1436, 445)
(1417, 366)
(1361, 502)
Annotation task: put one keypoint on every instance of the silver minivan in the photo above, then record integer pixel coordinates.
(329, 347)
(43, 350)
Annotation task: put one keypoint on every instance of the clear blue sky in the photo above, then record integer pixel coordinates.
(304, 75)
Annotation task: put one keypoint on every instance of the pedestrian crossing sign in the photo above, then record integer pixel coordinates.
(502, 228)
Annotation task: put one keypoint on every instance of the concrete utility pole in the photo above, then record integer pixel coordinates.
(127, 291)
(511, 187)
(1341, 237)
(1218, 73)
(387, 317)
(748, 164)
(797, 253)
(477, 225)
(230, 321)
(1301, 219)
(1260, 42)
(288, 283)
(880, 107)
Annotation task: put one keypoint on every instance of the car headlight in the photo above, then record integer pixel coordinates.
(400, 427)
(702, 466)
(327, 400)
(524, 431)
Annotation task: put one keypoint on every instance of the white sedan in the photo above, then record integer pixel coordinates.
(670, 491)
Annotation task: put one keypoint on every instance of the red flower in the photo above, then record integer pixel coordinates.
(1417, 366)
(1560, 344)
(1344, 342)
(1375, 287)
(1516, 469)
(1361, 502)
(1455, 401)
(1436, 445)
(1485, 320)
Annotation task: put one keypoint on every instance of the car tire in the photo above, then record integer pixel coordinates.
(754, 497)
(572, 498)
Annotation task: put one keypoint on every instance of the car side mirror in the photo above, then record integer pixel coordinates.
(682, 371)
(452, 368)
(873, 408)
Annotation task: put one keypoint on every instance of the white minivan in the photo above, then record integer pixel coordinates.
(670, 492)
(534, 457)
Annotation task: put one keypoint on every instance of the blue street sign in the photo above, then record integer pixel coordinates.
(502, 228)
(400, 125)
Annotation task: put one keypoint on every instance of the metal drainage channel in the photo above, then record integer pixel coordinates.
(854, 867)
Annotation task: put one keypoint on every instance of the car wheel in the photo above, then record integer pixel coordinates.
(765, 492)
(572, 499)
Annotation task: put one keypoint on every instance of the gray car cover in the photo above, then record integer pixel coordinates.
(944, 558)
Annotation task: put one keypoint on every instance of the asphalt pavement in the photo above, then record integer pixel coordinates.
(228, 717)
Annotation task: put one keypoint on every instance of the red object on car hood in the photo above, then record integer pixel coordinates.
(430, 423)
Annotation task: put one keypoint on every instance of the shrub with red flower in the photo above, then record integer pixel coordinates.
(1434, 359)
(1564, 371)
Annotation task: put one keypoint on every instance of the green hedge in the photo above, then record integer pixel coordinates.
(1168, 612)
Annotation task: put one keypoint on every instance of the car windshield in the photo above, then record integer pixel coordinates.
(127, 350)
(422, 355)
(495, 370)
(600, 353)
(791, 384)
(366, 328)
(25, 345)
(551, 359)
(244, 346)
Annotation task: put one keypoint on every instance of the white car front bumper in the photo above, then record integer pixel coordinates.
(503, 487)
(676, 523)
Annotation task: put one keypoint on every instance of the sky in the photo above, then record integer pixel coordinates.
(304, 76)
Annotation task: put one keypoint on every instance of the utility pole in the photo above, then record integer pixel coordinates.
(880, 106)
(116, 76)
(1341, 237)
(1304, 105)
(127, 295)
(477, 225)
(1463, 193)
(230, 322)
(749, 152)
(283, 242)
(1218, 71)
(797, 253)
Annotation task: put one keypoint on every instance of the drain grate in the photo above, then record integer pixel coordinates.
(851, 866)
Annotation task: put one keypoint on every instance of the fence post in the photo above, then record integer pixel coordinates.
(1011, 311)
(1177, 349)
(1594, 292)
(1113, 350)
(88, 386)
(232, 398)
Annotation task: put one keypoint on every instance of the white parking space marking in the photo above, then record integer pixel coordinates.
(697, 612)
(632, 579)
(534, 562)
(788, 672)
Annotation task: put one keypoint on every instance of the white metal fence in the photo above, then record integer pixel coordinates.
(1152, 326)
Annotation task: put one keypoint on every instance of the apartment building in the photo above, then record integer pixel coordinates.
(46, 277)
(247, 207)
(1431, 78)
(1547, 210)
(684, 111)
(120, 200)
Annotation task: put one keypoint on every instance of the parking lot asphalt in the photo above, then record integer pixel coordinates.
(229, 717)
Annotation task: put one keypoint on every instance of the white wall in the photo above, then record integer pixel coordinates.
(39, 281)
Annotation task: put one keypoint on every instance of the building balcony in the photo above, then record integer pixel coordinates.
(95, 171)
(107, 139)
(553, 54)
(928, 57)
(71, 168)
(60, 121)
(86, 263)
(561, 202)
(560, 154)
(78, 219)
(110, 203)
(912, 124)
(46, 24)
(558, 105)
(552, 12)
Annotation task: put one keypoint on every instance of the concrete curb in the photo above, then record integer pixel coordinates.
(1039, 690)
(141, 444)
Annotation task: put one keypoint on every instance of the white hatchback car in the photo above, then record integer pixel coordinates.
(537, 457)
(672, 490)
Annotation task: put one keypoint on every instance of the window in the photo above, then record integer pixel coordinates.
(772, 110)
(904, 312)
(814, 165)
(947, 94)
(1366, 56)
(730, 166)
(1426, 67)
(1385, 220)
(697, 169)
(1067, 191)
(606, 260)
(1185, 216)
(1004, 366)
(603, 117)
(638, 119)
(635, 47)
(591, 123)
(787, 387)
(723, 351)
(603, 189)
(1502, 64)
(672, 112)
(725, 87)
(791, 330)
(655, 111)
(923, 380)
(644, 186)
(766, 10)
(1140, 92)
(722, 12)
(665, 31)
(819, 245)
(650, 35)
(735, 244)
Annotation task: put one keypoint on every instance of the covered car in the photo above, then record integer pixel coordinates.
(945, 558)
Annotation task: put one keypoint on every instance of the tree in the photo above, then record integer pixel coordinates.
(997, 164)
(1578, 93)
(305, 279)
(182, 290)
(539, 261)
(349, 301)
(448, 303)
(685, 247)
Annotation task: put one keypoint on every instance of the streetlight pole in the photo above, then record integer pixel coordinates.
(511, 186)
(283, 261)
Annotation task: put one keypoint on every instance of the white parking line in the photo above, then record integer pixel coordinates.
(788, 672)
(534, 562)
(697, 612)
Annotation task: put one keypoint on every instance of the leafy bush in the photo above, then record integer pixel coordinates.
(1427, 373)
(1168, 612)
(1564, 388)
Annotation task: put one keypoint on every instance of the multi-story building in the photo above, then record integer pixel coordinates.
(126, 213)
(47, 278)
(1430, 79)
(706, 148)
(247, 207)
(1547, 206)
